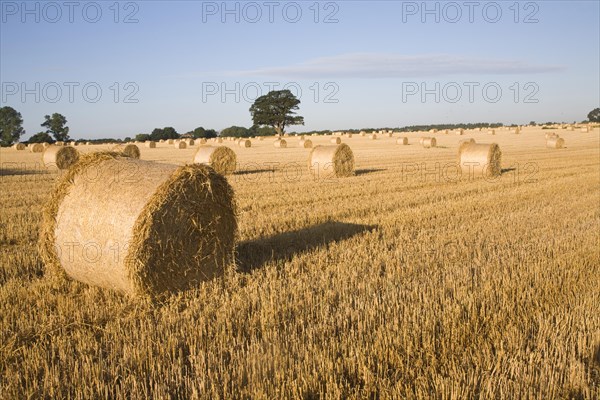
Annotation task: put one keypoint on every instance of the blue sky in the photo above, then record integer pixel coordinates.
(118, 69)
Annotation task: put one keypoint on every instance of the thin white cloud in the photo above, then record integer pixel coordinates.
(382, 65)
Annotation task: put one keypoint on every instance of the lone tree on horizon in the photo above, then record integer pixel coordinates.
(56, 125)
(594, 115)
(277, 109)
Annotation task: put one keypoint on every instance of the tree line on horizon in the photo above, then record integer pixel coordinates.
(265, 123)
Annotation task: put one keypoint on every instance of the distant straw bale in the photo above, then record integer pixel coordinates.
(331, 161)
(221, 158)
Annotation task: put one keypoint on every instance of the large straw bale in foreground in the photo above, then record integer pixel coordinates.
(163, 228)
(61, 157)
(480, 159)
(221, 158)
(331, 161)
(555, 142)
(129, 150)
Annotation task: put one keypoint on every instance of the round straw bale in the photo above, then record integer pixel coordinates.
(460, 132)
(349, 135)
(584, 130)
(59, 143)
(480, 159)
(221, 158)
(19, 146)
(555, 142)
(429, 142)
(331, 161)
(128, 150)
(88, 143)
(61, 157)
(163, 229)
(462, 144)
(550, 135)
(301, 137)
(280, 143)
(492, 132)
(46, 145)
(36, 147)
(373, 136)
(402, 141)
(170, 141)
(190, 142)
(244, 143)
(335, 140)
(363, 133)
(307, 143)
(390, 134)
(161, 141)
(180, 145)
(219, 140)
(261, 138)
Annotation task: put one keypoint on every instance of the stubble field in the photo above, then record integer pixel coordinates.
(403, 281)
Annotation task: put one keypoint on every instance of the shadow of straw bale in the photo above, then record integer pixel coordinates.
(368, 171)
(254, 254)
(253, 171)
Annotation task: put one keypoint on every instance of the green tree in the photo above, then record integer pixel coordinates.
(164, 133)
(41, 137)
(142, 137)
(11, 126)
(157, 134)
(56, 126)
(257, 130)
(200, 133)
(277, 109)
(170, 133)
(235, 131)
(594, 115)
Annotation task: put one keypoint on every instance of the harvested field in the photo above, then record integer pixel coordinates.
(405, 280)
